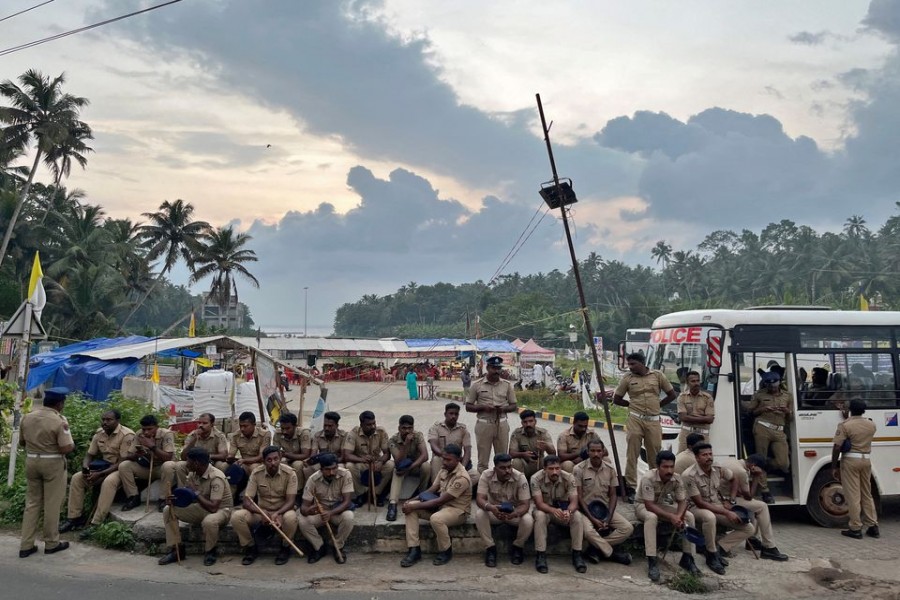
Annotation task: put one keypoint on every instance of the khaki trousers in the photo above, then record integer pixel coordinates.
(856, 478)
(242, 520)
(108, 489)
(763, 526)
(765, 439)
(640, 432)
(195, 515)
(130, 472)
(707, 520)
(542, 522)
(484, 520)
(441, 521)
(356, 470)
(46, 480)
(77, 490)
(423, 473)
(490, 435)
(620, 530)
(651, 521)
(682, 439)
(527, 467)
(341, 524)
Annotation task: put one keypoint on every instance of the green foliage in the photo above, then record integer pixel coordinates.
(686, 583)
(7, 401)
(565, 404)
(12, 498)
(114, 535)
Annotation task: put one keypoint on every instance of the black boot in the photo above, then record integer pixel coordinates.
(392, 512)
(516, 554)
(490, 557)
(592, 554)
(442, 558)
(620, 556)
(714, 564)
(251, 553)
(540, 562)
(687, 563)
(283, 555)
(653, 569)
(210, 558)
(317, 555)
(175, 554)
(412, 557)
(873, 532)
(132, 503)
(70, 524)
(578, 561)
(773, 554)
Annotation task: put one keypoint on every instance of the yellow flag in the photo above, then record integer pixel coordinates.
(204, 362)
(36, 294)
(192, 328)
(863, 302)
(36, 274)
(155, 377)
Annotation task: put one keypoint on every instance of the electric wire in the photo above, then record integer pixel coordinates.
(22, 12)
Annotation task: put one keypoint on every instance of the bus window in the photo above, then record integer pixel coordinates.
(869, 377)
(676, 360)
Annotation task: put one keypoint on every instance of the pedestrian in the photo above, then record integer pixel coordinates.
(491, 398)
(853, 447)
(412, 385)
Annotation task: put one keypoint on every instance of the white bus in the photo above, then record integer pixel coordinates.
(636, 340)
(854, 354)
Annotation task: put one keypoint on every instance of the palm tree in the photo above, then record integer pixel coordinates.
(39, 111)
(855, 227)
(171, 234)
(59, 158)
(662, 252)
(223, 257)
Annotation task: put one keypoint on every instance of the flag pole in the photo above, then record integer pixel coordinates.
(20, 393)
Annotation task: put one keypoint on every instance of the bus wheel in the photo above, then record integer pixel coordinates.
(826, 502)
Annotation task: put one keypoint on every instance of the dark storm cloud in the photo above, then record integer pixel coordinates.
(884, 17)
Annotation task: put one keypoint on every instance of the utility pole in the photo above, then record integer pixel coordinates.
(305, 297)
(562, 194)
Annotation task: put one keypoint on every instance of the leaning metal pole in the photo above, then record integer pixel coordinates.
(589, 330)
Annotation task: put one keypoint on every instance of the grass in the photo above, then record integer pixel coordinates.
(686, 583)
(566, 404)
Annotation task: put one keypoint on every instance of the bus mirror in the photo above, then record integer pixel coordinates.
(714, 339)
(622, 355)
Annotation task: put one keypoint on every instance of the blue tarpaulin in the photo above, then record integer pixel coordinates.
(494, 346)
(434, 343)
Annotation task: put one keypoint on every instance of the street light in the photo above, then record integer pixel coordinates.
(305, 298)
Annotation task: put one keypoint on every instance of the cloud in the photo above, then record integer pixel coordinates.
(808, 38)
(883, 17)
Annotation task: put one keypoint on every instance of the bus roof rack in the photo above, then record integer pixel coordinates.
(789, 307)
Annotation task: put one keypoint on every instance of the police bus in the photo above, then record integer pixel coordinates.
(636, 340)
(827, 358)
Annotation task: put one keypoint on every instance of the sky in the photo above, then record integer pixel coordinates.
(364, 144)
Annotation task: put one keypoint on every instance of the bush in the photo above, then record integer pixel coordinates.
(114, 535)
(12, 498)
(686, 583)
(7, 401)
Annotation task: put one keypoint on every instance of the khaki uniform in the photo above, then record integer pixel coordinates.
(594, 484)
(329, 495)
(491, 431)
(458, 484)
(568, 442)
(520, 442)
(111, 448)
(708, 487)
(130, 471)
(666, 496)
(375, 447)
(174, 473)
(442, 435)
(44, 432)
(335, 445)
(515, 490)
(643, 425)
(249, 447)
(272, 492)
(684, 460)
(701, 405)
(759, 509)
(768, 427)
(554, 493)
(301, 442)
(856, 470)
(213, 486)
(408, 450)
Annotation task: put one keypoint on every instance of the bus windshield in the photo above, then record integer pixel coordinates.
(679, 350)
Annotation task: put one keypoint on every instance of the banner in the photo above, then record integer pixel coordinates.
(266, 378)
(318, 417)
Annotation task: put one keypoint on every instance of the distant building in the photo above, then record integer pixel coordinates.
(229, 317)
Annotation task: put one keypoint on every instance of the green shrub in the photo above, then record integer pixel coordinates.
(12, 498)
(686, 583)
(7, 401)
(114, 535)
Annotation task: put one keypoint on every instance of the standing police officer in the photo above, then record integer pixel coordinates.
(491, 398)
(47, 440)
(853, 446)
(771, 407)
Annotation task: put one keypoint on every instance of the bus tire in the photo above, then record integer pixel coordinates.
(826, 502)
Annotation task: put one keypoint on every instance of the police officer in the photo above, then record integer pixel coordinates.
(556, 501)
(503, 497)
(410, 454)
(573, 442)
(596, 481)
(528, 444)
(332, 487)
(153, 441)
(661, 495)
(250, 441)
(491, 398)
(209, 504)
(448, 504)
(47, 439)
(751, 469)
(853, 447)
(108, 448)
(274, 484)
(206, 436)
(686, 458)
(446, 432)
(366, 452)
(296, 446)
(696, 410)
(330, 440)
(643, 387)
(772, 409)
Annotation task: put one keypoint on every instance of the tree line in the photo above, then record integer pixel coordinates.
(103, 276)
(784, 263)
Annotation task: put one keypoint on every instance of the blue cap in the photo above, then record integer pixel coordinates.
(364, 478)
(742, 511)
(403, 465)
(235, 474)
(494, 361)
(184, 497)
(561, 504)
(694, 536)
(426, 496)
(598, 510)
(99, 465)
(56, 394)
(506, 507)
(144, 461)
(770, 377)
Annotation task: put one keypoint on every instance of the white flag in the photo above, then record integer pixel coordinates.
(36, 294)
(318, 417)
(586, 391)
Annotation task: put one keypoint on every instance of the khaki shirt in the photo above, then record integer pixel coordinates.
(706, 486)
(301, 441)
(739, 469)
(215, 443)
(272, 490)
(701, 405)
(458, 484)
(513, 490)
(594, 483)
(553, 492)
(684, 460)
(322, 444)
(651, 488)
(112, 448)
(485, 393)
(213, 485)
(859, 430)
(411, 446)
(568, 442)
(444, 435)
(643, 391)
(367, 446)
(519, 442)
(763, 398)
(249, 447)
(329, 494)
(44, 431)
(165, 441)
